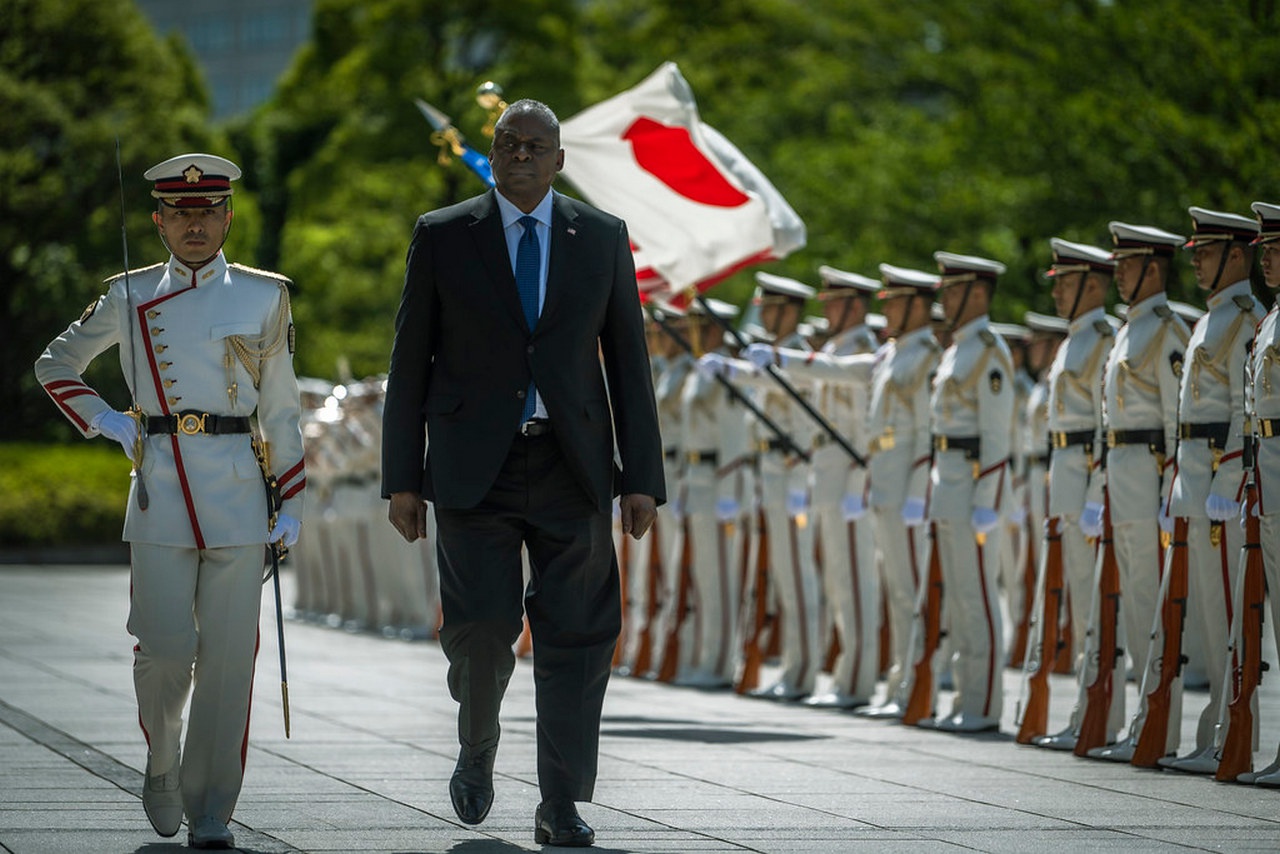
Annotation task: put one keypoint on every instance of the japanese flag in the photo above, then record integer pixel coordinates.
(696, 208)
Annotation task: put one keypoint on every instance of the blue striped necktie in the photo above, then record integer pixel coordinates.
(528, 268)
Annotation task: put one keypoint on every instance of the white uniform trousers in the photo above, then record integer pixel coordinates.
(1270, 529)
(1078, 555)
(640, 587)
(852, 590)
(1139, 557)
(195, 615)
(717, 550)
(904, 556)
(973, 623)
(1210, 575)
(793, 576)
(1150, 647)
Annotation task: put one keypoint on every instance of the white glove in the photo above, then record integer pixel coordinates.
(1018, 516)
(120, 427)
(984, 520)
(677, 508)
(1165, 520)
(797, 501)
(759, 354)
(285, 531)
(852, 507)
(1249, 508)
(1091, 519)
(1220, 509)
(727, 509)
(913, 512)
(712, 365)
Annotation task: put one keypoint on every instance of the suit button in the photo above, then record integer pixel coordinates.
(520, 394)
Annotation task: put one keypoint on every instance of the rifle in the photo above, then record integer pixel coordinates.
(928, 623)
(1097, 711)
(670, 663)
(644, 654)
(1153, 739)
(1022, 635)
(1235, 755)
(1034, 714)
(757, 603)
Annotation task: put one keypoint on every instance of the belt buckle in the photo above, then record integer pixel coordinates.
(191, 423)
(940, 442)
(1268, 427)
(1111, 438)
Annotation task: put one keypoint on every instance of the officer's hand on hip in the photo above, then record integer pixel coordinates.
(638, 513)
(120, 427)
(408, 515)
(286, 530)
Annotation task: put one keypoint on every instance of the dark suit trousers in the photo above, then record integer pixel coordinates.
(572, 601)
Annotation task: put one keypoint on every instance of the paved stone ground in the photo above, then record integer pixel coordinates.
(682, 770)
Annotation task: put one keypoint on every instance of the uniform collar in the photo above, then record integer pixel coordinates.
(1241, 288)
(213, 270)
(925, 331)
(1147, 306)
(1087, 319)
(981, 323)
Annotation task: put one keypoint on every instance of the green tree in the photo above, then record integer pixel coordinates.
(75, 75)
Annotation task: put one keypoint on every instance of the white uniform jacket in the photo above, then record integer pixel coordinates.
(972, 399)
(204, 490)
(1141, 395)
(1264, 393)
(1211, 397)
(1075, 408)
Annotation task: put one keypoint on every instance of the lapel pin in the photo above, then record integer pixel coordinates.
(573, 231)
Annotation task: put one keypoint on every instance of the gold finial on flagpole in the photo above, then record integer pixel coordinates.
(489, 96)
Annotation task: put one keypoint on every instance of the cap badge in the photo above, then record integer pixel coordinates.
(193, 174)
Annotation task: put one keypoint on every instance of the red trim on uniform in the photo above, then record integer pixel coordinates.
(186, 492)
(991, 633)
(77, 389)
(288, 490)
(1230, 456)
(244, 745)
(294, 490)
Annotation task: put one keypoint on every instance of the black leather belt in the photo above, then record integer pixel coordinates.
(708, 457)
(1216, 432)
(1268, 427)
(1038, 460)
(191, 422)
(971, 445)
(1153, 439)
(535, 427)
(1070, 438)
(671, 453)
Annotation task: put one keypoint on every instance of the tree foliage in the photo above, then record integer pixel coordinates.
(894, 130)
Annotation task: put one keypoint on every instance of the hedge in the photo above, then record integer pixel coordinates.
(62, 495)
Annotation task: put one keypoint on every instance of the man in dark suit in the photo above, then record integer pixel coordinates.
(513, 301)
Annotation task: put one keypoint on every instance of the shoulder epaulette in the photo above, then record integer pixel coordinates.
(110, 280)
(1163, 311)
(1244, 303)
(265, 274)
(1103, 328)
(987, 337)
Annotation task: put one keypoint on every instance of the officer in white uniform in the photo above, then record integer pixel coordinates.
(1141, 413)
(1264, 407)
(713, 436)
(1209, 479)
(1081, 277)
(204, 345)
(784, 491)
(1013, 545)
(971, 410)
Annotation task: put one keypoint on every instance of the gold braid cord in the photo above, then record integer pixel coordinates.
(253, 351)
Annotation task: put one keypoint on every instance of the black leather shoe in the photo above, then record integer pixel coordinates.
(471, 786)
(557, 822)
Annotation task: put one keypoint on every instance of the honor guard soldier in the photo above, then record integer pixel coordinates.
(1081, 276)
(1264, 400)
(714, 436)
(1140, 393)
(784, 492)
(971, 413)
(900, 450)
(204, 346)
(1209, 478)
(850, 584)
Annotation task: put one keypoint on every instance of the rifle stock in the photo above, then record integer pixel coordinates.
(644, 643)
(929, 619)
(1022, 635)
(1035, 712)
(756, 599)
(1153, 739)
(670, 663)
(1236, 754)
(1097, 712)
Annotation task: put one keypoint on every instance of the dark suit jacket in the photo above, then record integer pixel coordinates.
(463, 356)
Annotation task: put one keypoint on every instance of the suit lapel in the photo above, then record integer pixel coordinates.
(563, 234)
(491, 243)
